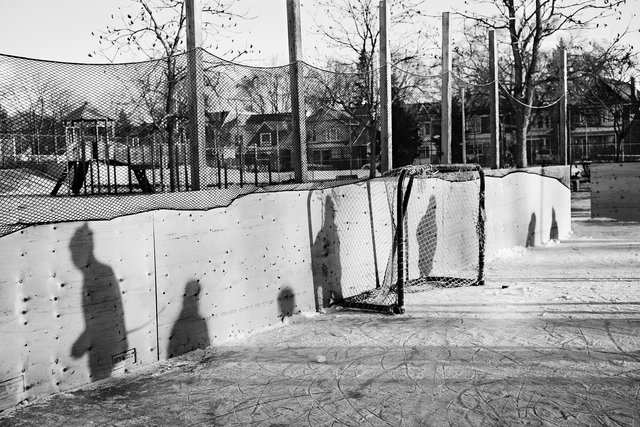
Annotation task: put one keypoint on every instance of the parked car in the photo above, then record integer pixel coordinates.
(545, 156)
(366, 166)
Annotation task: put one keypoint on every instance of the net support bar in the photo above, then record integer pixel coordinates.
(402, 203)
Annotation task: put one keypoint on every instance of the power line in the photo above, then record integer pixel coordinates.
(529, 105)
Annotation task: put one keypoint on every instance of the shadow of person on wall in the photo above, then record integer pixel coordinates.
(531, 232)
(427, 235)
(554, 234)
(286, 303)
(105, 334)
(190, 331)
(325, 260)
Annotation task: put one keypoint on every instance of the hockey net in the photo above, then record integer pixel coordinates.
(435, 228)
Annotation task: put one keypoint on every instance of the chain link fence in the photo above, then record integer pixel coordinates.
(416, 115)
(422, 228)
(82, 131)
(77, 139)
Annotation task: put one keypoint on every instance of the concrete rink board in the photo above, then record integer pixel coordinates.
(552, 339)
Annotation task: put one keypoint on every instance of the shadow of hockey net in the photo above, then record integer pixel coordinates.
(435, 228)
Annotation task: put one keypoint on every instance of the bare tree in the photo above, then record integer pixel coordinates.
(529, 23)
(351, 28)
(156, 29)
(266, 91)
(38, 105)
(600, 80)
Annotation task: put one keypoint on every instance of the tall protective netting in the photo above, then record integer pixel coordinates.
(431, 220)
(96, 141)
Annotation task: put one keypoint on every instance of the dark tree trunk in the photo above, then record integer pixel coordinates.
(523, 116)
(170, 125)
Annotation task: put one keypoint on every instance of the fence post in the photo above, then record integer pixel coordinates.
(562, 143)
(195, 73)
(494, 126)
(129, 169)
(299, 149)
(463, 124)
(386, 140)
(445, 134)
(219, 172)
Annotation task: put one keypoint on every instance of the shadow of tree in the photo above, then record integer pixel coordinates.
(105, 334)
(190, 331)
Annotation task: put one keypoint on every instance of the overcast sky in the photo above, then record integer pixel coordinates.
(60, 30)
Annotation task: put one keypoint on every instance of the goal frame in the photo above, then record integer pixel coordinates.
(402, 213)
(403, 194)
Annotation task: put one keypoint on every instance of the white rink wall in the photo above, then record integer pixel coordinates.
(82, 301)
(527, 209)
(615, 191)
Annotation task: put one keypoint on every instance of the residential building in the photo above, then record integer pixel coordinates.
(337, 140)
(605, 118)
(428, 118)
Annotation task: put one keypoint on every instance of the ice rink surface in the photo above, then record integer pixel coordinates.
(552, 339)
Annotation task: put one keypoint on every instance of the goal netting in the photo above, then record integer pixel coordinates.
(431, 220)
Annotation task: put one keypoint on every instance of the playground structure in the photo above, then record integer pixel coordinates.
(91, 150)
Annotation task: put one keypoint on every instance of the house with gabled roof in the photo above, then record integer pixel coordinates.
(427, 116)
(248, 139)
(608, 115)
(269, 141)
(337, 140)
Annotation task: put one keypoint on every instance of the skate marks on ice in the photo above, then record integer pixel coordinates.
(558, 346)
(451, 366)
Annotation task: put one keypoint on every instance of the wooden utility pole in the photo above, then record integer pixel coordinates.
(195, 76)
(463, 125)
(299, 154)
(386, 137)
(563, 125)
(494, 126)
(445, 134)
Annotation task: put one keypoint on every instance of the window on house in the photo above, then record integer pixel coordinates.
(265, 138)
(607, 116)
(326, 156)
(485, 124)
(333, 134)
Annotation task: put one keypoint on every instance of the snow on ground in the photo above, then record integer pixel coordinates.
(552, 339)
